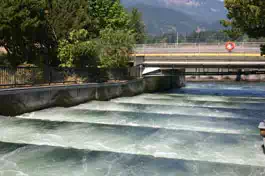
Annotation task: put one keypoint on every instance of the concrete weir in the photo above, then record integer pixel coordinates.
(22, 100)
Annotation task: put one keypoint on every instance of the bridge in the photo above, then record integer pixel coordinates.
(203, 58)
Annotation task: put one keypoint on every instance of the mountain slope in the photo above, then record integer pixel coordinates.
(207, 11)
(163, 20)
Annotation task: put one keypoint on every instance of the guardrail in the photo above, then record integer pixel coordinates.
(176, 45)
(164, 48)
(191, 54)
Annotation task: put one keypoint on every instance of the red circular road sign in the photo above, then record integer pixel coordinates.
(230, 46)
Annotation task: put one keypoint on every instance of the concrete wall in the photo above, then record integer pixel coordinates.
(23, 100)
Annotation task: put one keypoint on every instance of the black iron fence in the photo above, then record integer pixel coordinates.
(29, 76)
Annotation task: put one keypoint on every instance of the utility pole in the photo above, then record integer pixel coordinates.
(177, 38)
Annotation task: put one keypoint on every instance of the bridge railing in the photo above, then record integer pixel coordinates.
(241, 47)
(176, 45)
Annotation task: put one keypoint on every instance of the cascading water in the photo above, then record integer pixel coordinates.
(204, 130)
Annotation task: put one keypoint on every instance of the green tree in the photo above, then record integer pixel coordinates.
(234, 33)
(137, 25)
(246, 16)
(78, 51)
(106, 14)
(32, 30)
(117, 17)
(116, 47)
(65, 16)
(103, 16)
(23, 30)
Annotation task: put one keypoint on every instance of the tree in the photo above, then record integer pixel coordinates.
(246, 16)
(67, 15)
(23, 30)
(78, 51)
(117, 17)
(105, 17)
(137, 25)
(116, 47)
(106, 14)
(233, 33)
(32, 30)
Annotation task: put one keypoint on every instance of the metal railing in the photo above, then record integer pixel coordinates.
(32, 76)
(164, 48)
(174, 45)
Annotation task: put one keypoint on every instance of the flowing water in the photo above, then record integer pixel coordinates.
(204, 129)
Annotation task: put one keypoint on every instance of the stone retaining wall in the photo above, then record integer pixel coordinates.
(22, 100)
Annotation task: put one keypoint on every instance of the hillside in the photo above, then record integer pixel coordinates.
(163, 20)
(206, 11)
(160, 20)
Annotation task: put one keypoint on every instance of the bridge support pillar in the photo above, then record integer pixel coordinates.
(221, 73)
(198, 71)
(138, 60)
(239, 74)
(141, 71)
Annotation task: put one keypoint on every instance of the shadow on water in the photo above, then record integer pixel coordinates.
(200, 111)
(223, 89)
(237, 90)
(37, 124)
(65, 117)
(104, 163)
(136, 133)
(219, 92)
(9, 147)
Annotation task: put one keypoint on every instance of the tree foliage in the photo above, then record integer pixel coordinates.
(65, 16)
(65, 32)
(245, 17)
(106, 14)
(248, 16)
(78, 51)
(137, 25)
(233, 33)
(116, 47)
(23, 30)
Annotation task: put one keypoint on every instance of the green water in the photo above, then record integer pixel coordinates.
(204, 129)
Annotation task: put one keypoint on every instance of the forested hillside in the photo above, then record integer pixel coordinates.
(162, 20)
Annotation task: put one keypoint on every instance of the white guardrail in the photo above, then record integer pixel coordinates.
(177, 45)
(164, 48)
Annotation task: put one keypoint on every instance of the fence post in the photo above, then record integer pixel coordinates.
(172, 77)
(32, 74)
(76, 79)
(87, 75)
(15, 78)
(64, 72)
(50, 75)
(141, 71)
